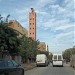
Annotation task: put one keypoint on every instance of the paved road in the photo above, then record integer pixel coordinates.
(66, 70)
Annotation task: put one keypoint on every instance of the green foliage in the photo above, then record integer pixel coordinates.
(28, 47)
(68, 53)
(50, 57)
(8, 38)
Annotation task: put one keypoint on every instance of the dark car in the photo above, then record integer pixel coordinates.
(10, 67)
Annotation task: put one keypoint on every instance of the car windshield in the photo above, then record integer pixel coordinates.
(10, 64)
(15, 64)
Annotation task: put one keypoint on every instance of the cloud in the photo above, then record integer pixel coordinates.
(64, 27)
(61, 42)
(43, 13)
(57, 24)
(43, 3)
(0, 0)
(64, 35)
(57, 8)
(59, 18)
(22, 11)
(60, 14)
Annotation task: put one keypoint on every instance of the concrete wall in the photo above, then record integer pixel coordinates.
(72, 62)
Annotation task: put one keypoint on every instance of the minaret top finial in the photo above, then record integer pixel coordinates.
(32, 9)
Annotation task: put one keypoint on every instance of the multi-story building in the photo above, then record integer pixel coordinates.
(18, 28)
(47, 48)
(32, 24)
(42, 46)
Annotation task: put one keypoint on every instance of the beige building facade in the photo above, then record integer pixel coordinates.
(18, 28)
(42, 46)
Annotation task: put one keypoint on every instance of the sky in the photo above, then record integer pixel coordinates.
(55, 20)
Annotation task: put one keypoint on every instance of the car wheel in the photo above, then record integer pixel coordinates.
(53, 65)
(23, 72)
(37, 65)
(62, 65)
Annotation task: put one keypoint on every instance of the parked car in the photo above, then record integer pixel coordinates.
(57, 60)
(10, 67)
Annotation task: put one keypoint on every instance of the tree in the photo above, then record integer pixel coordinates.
(28, 48)
(9, 39)
(68, 53)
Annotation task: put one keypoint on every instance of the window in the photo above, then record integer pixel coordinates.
(30, 23)
(30, 18)
(55, 57)
(59, 57)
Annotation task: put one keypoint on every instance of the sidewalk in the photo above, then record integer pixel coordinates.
(27, 66)
(67, 64)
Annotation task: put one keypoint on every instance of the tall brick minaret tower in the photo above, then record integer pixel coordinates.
(32, 24)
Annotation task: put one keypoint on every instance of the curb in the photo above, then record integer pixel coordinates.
(28, 66)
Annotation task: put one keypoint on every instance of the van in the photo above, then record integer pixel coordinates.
(57, 60)
(41, 60)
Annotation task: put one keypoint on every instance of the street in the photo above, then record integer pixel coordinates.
(50, 70)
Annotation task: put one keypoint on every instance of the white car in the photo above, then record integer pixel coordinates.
(57, 60)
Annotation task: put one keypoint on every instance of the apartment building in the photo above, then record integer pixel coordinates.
(42, 46)
(18, 28)
(32, 24)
